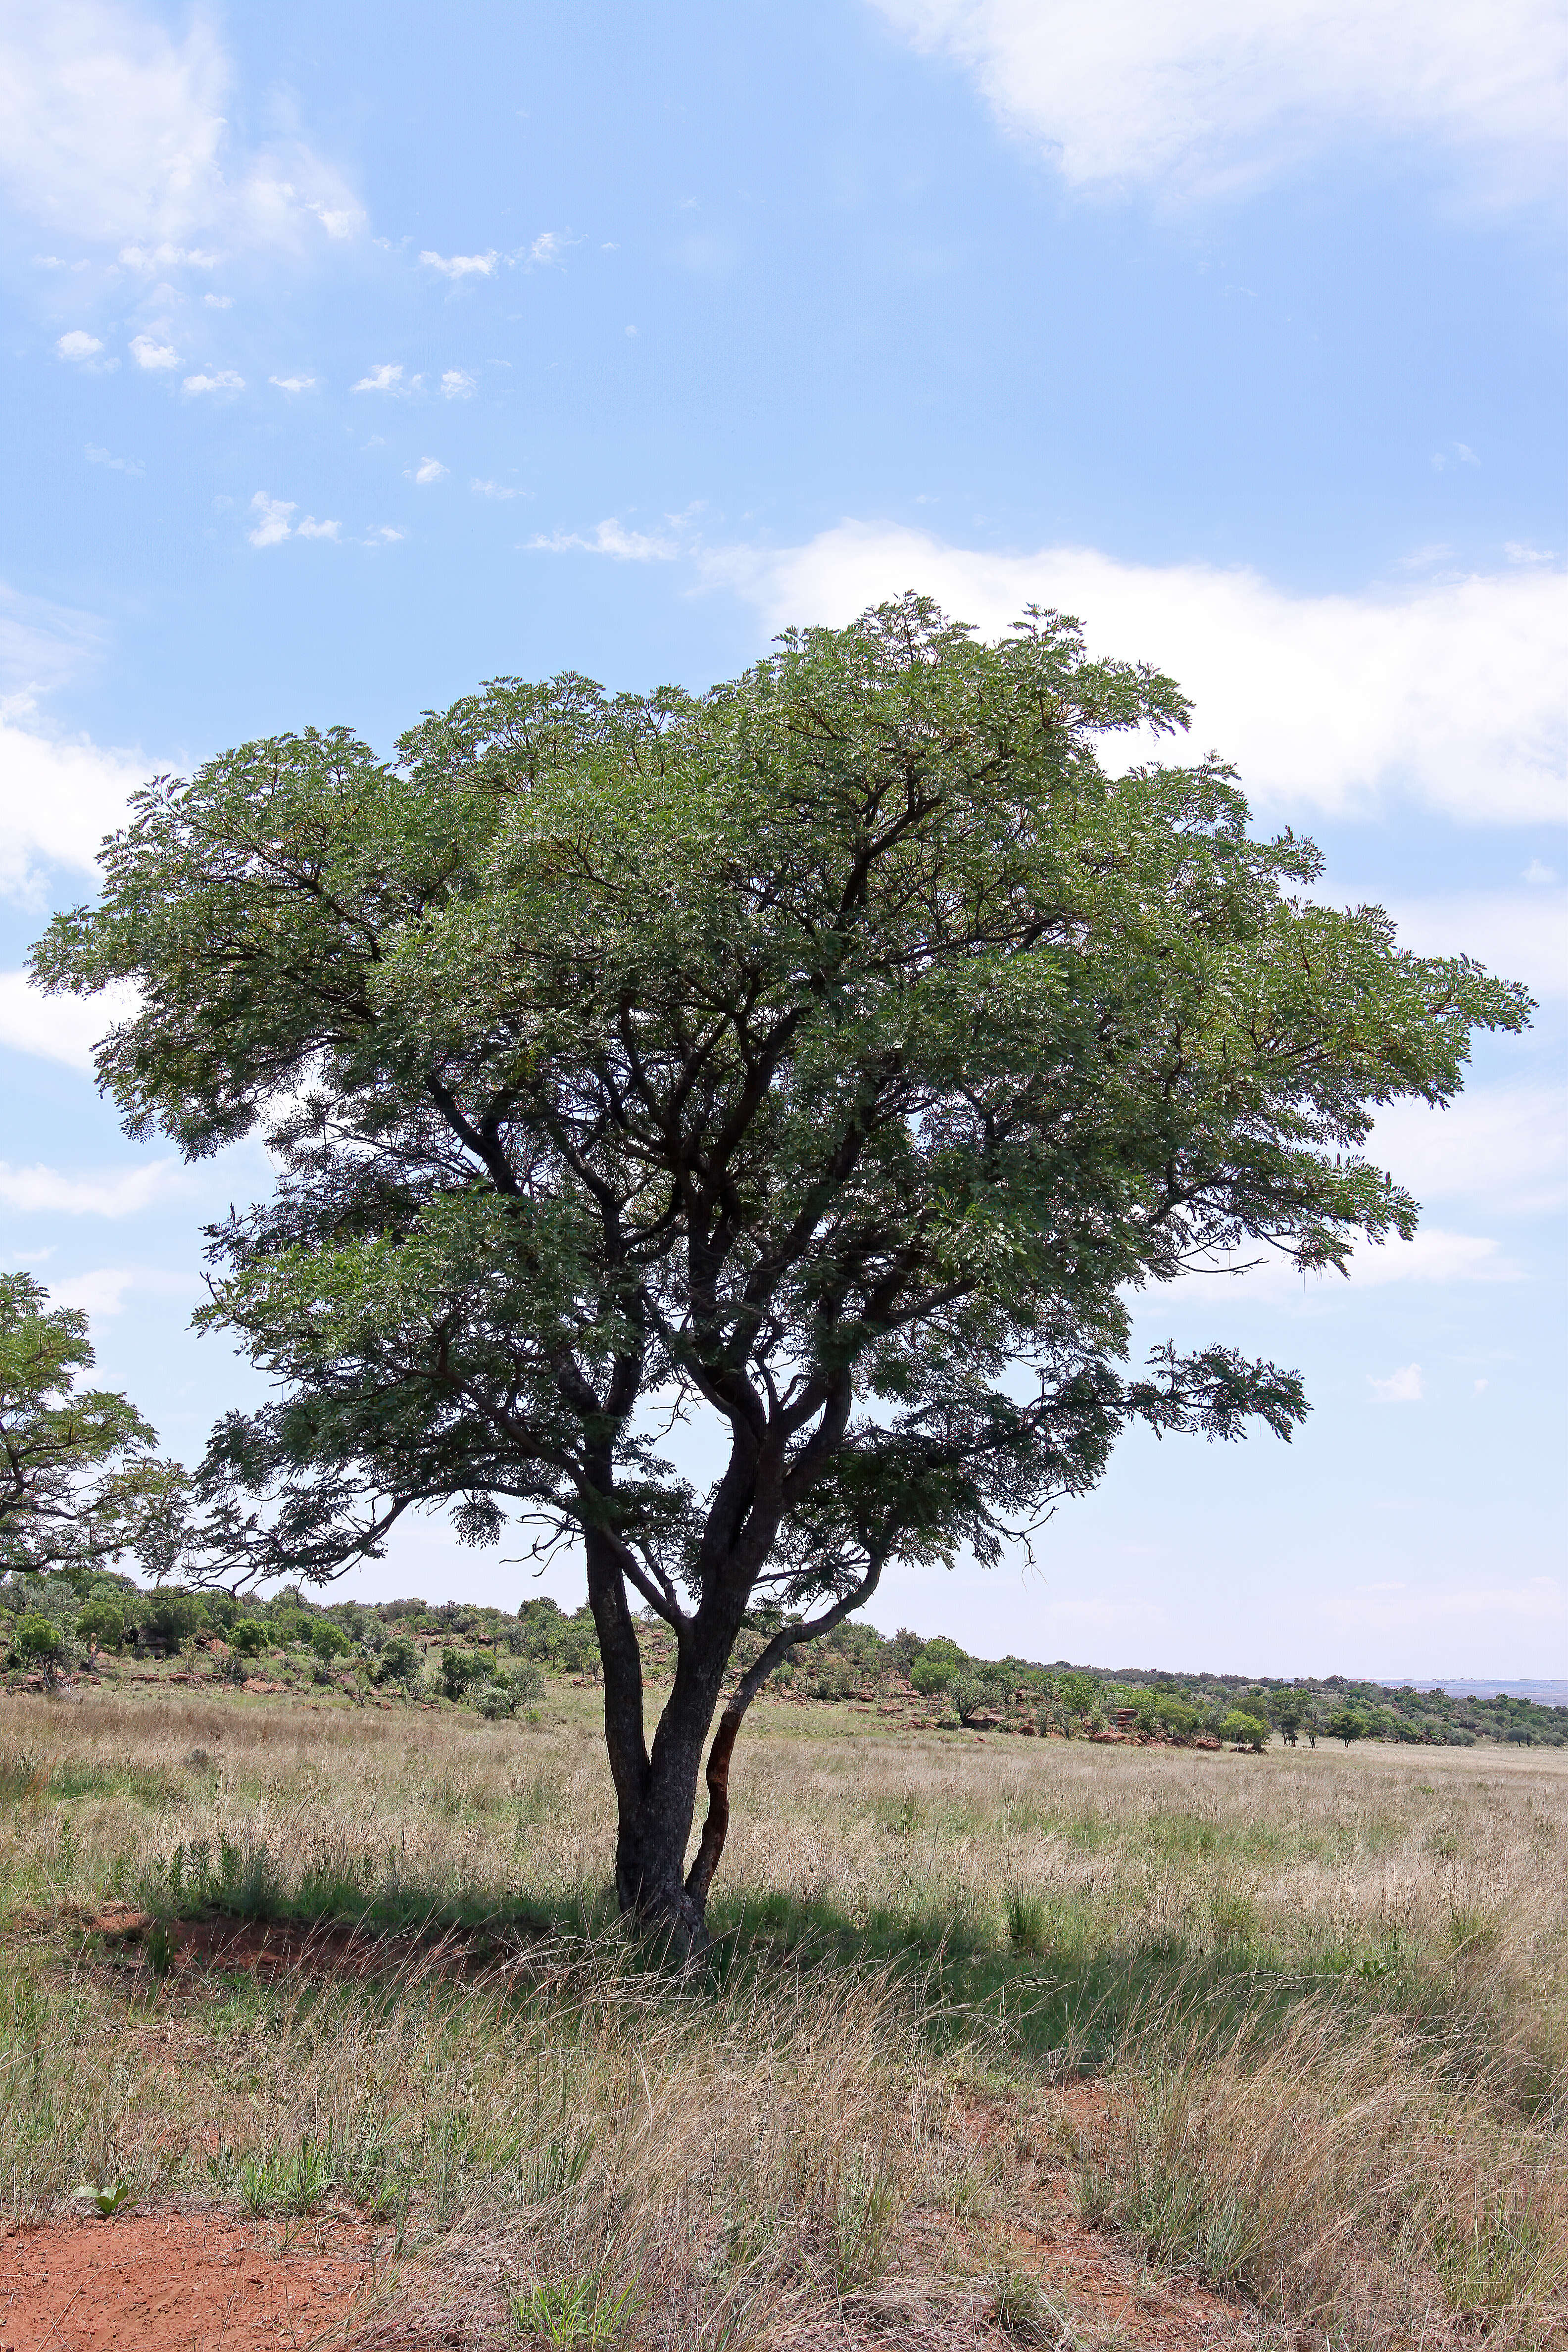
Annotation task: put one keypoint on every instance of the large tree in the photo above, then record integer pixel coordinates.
(80, 1479)
(825, 1057)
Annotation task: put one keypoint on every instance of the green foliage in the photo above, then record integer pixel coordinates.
(400, 1662)
(831, 1054)
(248, 1637)
(577, 2315)
(460, 1670)
(329, 1641)
(79, 1480)
(935, 1668)
(100, 1626)
(1246, 1730)
(1346, 1724)
(494, 1703)
(36, 1643)
(170, 1617)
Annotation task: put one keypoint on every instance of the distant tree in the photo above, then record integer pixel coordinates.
(400, 1662)
(38, 1642)
(1246, 1731)
(100, 1625)
(170, 1617)
(1290, 1712)
(1079, 1697)
(248, 1637)
(830, 1055)
(1346, 1724)
(329, 1641)
(938, 1661)
(460, 1670)
(79, 1478)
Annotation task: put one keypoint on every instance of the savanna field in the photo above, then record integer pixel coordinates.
(1044, 2042)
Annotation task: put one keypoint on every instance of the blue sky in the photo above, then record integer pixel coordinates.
(355, 354)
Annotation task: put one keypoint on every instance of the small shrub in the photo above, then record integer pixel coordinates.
(577, 2315)
(400, 1662)
(100, 1626)
(1245, 1731)
(493, 1703)
(248, 1637)
(527, 1682)
(460, 1670)
(37, 1644)
(329, 1641)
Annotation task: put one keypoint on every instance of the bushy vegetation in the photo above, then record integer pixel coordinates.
(458, 1650)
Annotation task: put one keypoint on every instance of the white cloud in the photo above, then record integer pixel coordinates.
(383, 379)
(79, 345)
(59, 1028)
(224, 380)
(497, 491)
(1517, 550)
(462, 264)
(272, 525)
(457, 383)
(1450, 693)
(148, 353)
(1522, 934)
(57, 799)
(1503, 1149)
(96, 456)
(429, 469)
(1403, 1387)
(114, 131)
(546, 247)
(1267, 1278)
(48, 1190)
(311, 528)
(293, 383)
(383, 535)
(156, 260)
(1216, 96)
(218, 302)
(102, 1292)
(611, 538)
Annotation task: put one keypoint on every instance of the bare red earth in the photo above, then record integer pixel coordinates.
(179, 2282)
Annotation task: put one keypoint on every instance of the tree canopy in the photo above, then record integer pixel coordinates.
(826, 1057)
(79, 1477)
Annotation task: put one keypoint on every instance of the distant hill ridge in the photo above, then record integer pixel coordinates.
(905, 1676)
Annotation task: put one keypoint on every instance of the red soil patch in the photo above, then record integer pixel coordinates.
(179, 2282)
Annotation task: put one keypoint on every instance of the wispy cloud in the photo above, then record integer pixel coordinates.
(223, 380)
(294, 382)
(101, 1292)
(59, 1028)
(311, 528)
(1403, 1387)
(272, 524)
(383, 534)
(148, 353)
(457, 383)
(1211, 99)
(1450, 694)
(387, 378)
(115, 130)
(96, 456)
(497, 491)
(79, 346)
(429, 469)
(610, 537)
(462, 264)
(123, 1193)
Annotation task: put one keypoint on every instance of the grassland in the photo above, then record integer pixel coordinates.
(1276, 2044)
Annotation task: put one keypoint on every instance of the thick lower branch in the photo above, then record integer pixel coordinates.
(715, 1827)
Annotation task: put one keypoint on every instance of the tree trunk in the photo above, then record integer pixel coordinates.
(656, 1792)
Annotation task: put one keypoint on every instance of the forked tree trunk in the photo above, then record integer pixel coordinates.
(655, 1790)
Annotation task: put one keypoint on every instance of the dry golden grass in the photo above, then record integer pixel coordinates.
(1329, 1994)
